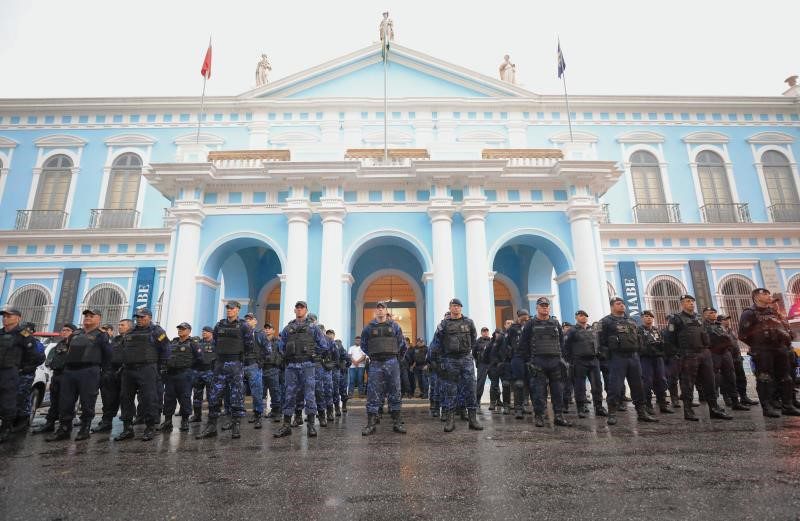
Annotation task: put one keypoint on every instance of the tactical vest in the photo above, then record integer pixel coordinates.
(274, 358)
(209, 355)
(138, 349)
(623, 336)
(720, 340)
(229, 340)
(10, 352)
(457, 339)
(300, 343)
(420, 354)
(653, 342)
(513, 338)
(692, 337)
(382, 343)
(545, 338)
(59, 360)
(583, 343)
(117, 356)
(83, 349)
(181, 356)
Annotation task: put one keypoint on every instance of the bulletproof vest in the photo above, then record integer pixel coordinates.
(209, 355)
(545, 337)
(720, 340)
(10, 352)
(482, 344)
(692, 337)
(653, 342)
(83, 349)
(382, 342)
(117, 357)
(137, 348)
(229, 339)
(300, 343)
(181, 355)
(623, 336)
(513, 340)
(457, 338)
(420, 353)
(583, 343)
(59, 360)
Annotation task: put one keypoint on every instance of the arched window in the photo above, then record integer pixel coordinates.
(663, 297)
(34, 303)
(123, 192)
(717, 198)
(735, 294)
(50, 202)
(109, 299)
(648, 190)
(782, 191)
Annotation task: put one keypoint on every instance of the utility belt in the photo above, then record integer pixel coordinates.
(178, 371)
(80, 365)
(622, 354)
(138, 366)
(229, 358)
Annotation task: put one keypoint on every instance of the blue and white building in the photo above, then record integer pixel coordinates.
(284, 195)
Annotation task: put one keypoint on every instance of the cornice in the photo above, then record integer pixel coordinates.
(694, 229)
(86, 234)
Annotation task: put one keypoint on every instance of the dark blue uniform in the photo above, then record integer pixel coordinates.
(272, 372)
(232, 339)
(383, 342)
(87, 353)
(544, 340)
(110, 385)
(56, 361)
(301, 343)
(203, 377)
(144, 349)
(580, 349)
(14, 349)
(26, 376)
(452, 347)
(619, 337)
(654, 377)
(178, 375)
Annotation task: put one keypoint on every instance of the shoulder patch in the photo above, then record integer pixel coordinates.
(162, 337)
(25, 333)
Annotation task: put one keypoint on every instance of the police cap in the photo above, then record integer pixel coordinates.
(233, 304)
(184, 325)
(380, 304)
(92, 311)
(300, 304)
(648, 313)
(581, 312)
(686, 296)
(455, 302)
(615, 300)
(11, 311)
(543, 301)
(143, 312)
(208, 328)
(250, 315)
(708, 308)
(522, 312)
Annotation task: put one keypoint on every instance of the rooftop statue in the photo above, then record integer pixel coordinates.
(262, 71)
(508, 70)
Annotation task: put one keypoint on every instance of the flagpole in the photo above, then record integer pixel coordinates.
(202, 99)
(385, 100)
(566, 99)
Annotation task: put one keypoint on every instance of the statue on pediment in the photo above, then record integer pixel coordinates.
(262, 71)
(386, 28)
(508, 70)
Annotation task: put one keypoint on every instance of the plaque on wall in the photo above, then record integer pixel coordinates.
(700, 283)
(67, 298)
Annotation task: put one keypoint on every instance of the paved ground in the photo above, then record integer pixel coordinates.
(748, 468)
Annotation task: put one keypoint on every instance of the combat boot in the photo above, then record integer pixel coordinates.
(583, 410)
(127, 432)
(329, 412)
(769, 411)
(337, 409)
(323, 421)
(298, 419)
(48, 426)
(370, 428)
(83, 433)
(253, 417)
(612, 414)
(166, 425)
(688, 413)
(62, 433)
(397, 423)
(226, 424)
(310, 429)
(198, 415)
(599, 410)
(184, 424)
(473, 420)
(648, 408)
(560, 421)
(210, 430)
(21, 424)
(462, 412)
(790, 410)
(344, 405)
(103, 426)
(257, 422)
(450, 422)
(285, 429)
(643, 416)
(235, 429)
(150, 432)
(716, 412)
(538, 420)
(518, 402)
(664, 408)
(736, 405)
(276, 415)
(138, 420)
(744, 399)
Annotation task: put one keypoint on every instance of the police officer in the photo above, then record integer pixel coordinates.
(203, 373)
(494, 357)
(687, 333)
(620, 338)
(520, 355)
(418, 356)
(580, 349)
(724, 373)
(543, 339)
(253, 374)
(480, 354)
(88, 349)
(185, 352)
(272, 370)
(110, 380)
(453, 340)
(654, 378)
(27, 374)
(566, 372)
(761, 328)
(325, 377)
(344, 374)
(738, 361)
(55, 361)
(15, 349)
(300, 343)
(233, 337)
(382, 340)
(144, 349)
(336, 375)
(501, 359)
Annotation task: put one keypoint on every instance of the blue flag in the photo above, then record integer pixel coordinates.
(562, 65)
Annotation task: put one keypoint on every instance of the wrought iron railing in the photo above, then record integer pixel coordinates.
(40, 219)
(113, 218)
(657, 213)
(785, 212)
(725, 213)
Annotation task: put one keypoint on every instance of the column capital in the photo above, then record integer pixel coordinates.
(348, 279)
(187, 213)
(441, 210)
(332, 210)
(473, 211)
(282, 277)
(427, 276)
(582, 207)
(567, 275)
(297, 210)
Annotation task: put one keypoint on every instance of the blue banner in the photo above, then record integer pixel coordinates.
(630, 288)
(144, 288)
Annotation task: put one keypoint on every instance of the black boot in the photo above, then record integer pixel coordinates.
(83, 433)
(648, 408)
(210, 431)
(198, 415)
(127, 432)
(370, 428)
(688, 412)
(518, 403)
(235, 428)
(560, 421)
(643, 416)
(150, 432)
(227, 423)
(397, 423)
(790, 410)
(276, 415)
(138, 420)
(337, 409)
(717, 412)
(344, 405)
(103, 426)
(473, 420)
(538, 420)
(63, 432)
(736, 405)
(257, 422)
(310, 429)
(612, 414)
(184, 424)
(583, 410)
(323, 421)
(298, 419)
(166, 425)
(599, 410)
(745, 400)
(664, 408)
(253, 417)
(329, 412)
(285, 429)
(21, 424)
(48, 426)
(450, 422)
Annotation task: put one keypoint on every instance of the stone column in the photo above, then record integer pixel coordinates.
(517, 133)
(478, 300)
(298, 215)
(259, 135)
(181, 294)
(582, 211)
(333, 214)
(441, 215)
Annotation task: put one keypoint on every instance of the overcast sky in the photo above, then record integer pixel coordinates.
(91, 48)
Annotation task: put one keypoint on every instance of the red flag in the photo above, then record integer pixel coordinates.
(206, 70)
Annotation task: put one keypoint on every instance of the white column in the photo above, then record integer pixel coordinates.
(441, 215)
(347, 318)
(298, 214)
(181, 297)
(480, 309)
(588, 268)
(330, 284)
(259, 135)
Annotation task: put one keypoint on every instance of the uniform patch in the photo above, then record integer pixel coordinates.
(162, 337)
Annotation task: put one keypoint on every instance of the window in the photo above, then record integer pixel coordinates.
(34, 303)
(648, 190)
(109, 299)
(663, 297)
(122, 194)
(735, 296)
(780, 187)
(716, 192)
(50, 202)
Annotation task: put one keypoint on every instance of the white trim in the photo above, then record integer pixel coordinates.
(375, 275)
(517, 232)
(60, 140)
(210, 249)
(14, 289)
(770, 138)
(349, 257)
(33, 273)
(205, 138)
(7, 142)
(207, 281)
(640, 137)
(91, 290)
(111, 156)
(516, 296)
(130, 140)
(706, 137)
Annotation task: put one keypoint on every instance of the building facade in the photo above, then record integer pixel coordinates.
(283, 194)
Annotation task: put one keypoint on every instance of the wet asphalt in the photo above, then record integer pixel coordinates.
(748, 468)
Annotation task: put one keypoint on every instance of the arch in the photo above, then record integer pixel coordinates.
(215, 254)
(765, 138)
(663, 296)
(640, 136)
(372, 277)
(58, 152)
(110, 299)
(35, 302)
(265, 313)
(60, 140)
(734, 295)
(516, 297)
(705, 137)
(792, 300)
(383, 237)
(553, 247)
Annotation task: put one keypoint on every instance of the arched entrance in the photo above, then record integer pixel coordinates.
(400, 298)
(504, 308)
(269, 304)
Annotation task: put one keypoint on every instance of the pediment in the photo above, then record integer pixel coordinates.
(576, 137)
(60, 140)
(411, 74)
(203, 139)
(770, 138)
(130, 140)
(640, 137)
(705, 138)
(7, 143)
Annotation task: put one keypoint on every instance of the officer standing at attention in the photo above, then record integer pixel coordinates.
(110, 383)
(494, 359)
(580, 349)
(272, 371)
(687, 333)
(252, 372)
(300, 341)
(480, 354)
(724, 373)
(26, 376)
(544, 339)
(144, 348)
(344, 374)
(177, 376)
(232, 339)
(382, 341)
(335, 374)
(620, 338)
(654, 376)
(738, 361)
(520, 354)
(203, 373)
(56, 362)
(14, 349)
(761, 328)
(454, 339)
(88, 349)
